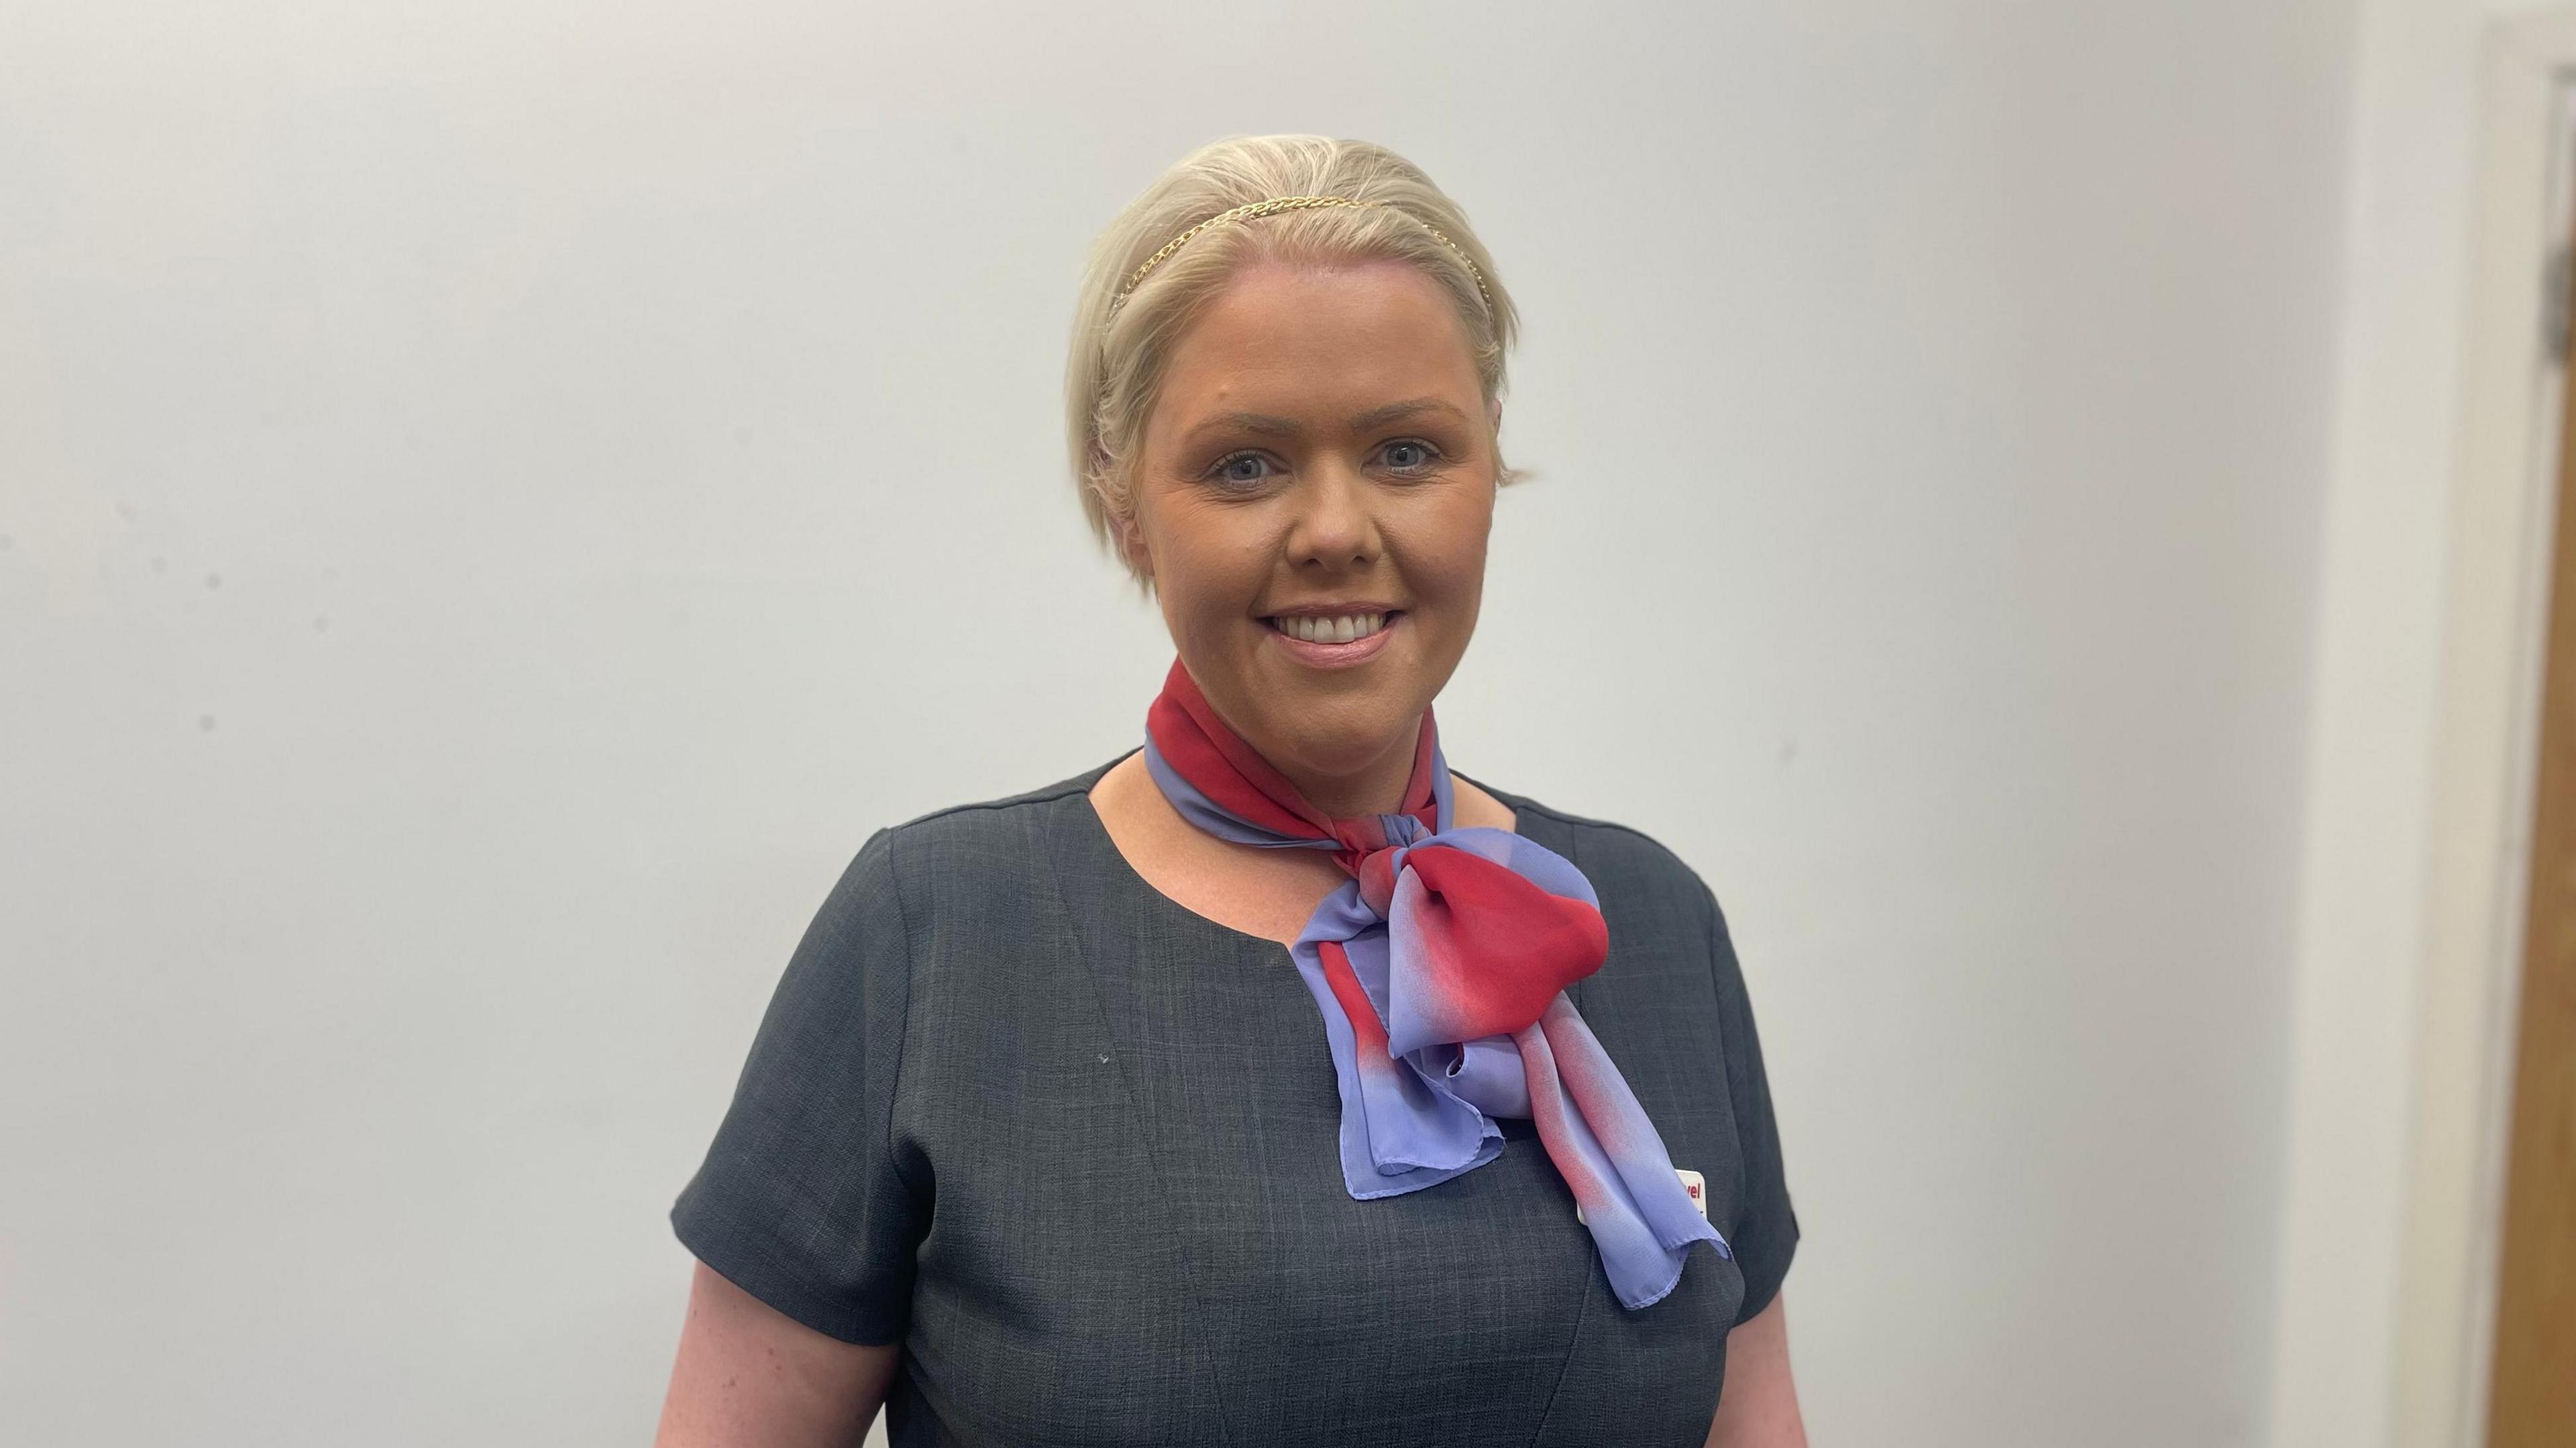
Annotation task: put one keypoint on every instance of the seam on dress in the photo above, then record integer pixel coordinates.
(903, 1036)
(1726, 1066)
(1573, 1341)
(1043, 794)
(822, 1218)
(1048, 839)
(1734, 1103)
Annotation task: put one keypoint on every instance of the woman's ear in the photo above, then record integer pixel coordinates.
(1131, 546)
(1124, 534)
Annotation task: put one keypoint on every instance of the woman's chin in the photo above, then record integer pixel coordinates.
(1339, 741)
(1319, 723)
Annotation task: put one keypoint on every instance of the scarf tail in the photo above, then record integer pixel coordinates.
(1640, 1215)
(1399, 1131)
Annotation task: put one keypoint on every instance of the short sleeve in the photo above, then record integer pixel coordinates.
(1765, 1232)
(801, 1201)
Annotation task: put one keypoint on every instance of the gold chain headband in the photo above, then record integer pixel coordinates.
(1287, 203)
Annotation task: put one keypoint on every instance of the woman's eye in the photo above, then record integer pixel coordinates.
(1410, 455)
(1242, 470)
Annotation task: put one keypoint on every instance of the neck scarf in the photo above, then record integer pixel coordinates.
(1440, 968)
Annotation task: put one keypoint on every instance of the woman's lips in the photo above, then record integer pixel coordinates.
(1335, 656)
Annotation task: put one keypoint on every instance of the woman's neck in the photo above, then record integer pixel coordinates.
(1377, 787)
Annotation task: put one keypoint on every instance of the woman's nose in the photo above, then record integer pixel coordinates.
(1334, 526)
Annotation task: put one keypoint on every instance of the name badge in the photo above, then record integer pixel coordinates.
(1692, 1182)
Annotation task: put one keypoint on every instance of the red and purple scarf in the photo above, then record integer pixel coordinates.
(1440, 968)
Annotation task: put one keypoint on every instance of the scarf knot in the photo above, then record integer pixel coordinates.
(1375, 872)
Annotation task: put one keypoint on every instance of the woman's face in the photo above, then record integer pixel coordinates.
(1312, 498)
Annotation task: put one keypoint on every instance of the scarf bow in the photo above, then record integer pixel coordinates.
(1440, 969)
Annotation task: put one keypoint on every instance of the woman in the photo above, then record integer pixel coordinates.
(1269, 1083)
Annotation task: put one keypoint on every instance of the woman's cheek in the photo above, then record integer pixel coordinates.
(1450, 570)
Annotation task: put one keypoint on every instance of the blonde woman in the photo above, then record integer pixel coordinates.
(1270, 1083)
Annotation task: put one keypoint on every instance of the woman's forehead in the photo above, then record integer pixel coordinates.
(1334, 343)
(1268, 297)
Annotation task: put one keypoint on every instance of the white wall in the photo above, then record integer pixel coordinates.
(462, 467)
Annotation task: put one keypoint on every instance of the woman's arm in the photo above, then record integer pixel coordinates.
(749, 1374)
(1758, 1408)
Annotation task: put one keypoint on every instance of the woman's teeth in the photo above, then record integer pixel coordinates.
(1349, 628)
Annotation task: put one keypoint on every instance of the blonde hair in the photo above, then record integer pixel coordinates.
(1122, 339)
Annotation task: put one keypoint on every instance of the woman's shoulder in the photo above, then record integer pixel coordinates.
(1611, 854)
(968, 818)
(978, 842)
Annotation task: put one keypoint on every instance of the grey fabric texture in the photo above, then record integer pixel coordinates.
(1073, 1145)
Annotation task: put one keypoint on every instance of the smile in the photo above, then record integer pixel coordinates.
(1335, 629)
(1333, 640)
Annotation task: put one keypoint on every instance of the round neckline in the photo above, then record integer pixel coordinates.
(1098, 829)
(1134, 880)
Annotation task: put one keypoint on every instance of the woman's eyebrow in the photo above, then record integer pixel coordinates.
(1270, 426)
(1249, 422)
(1396, 411)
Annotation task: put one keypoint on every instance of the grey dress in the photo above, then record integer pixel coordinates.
(1073, 1146)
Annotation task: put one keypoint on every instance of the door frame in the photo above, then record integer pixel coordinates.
(2493, 644)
